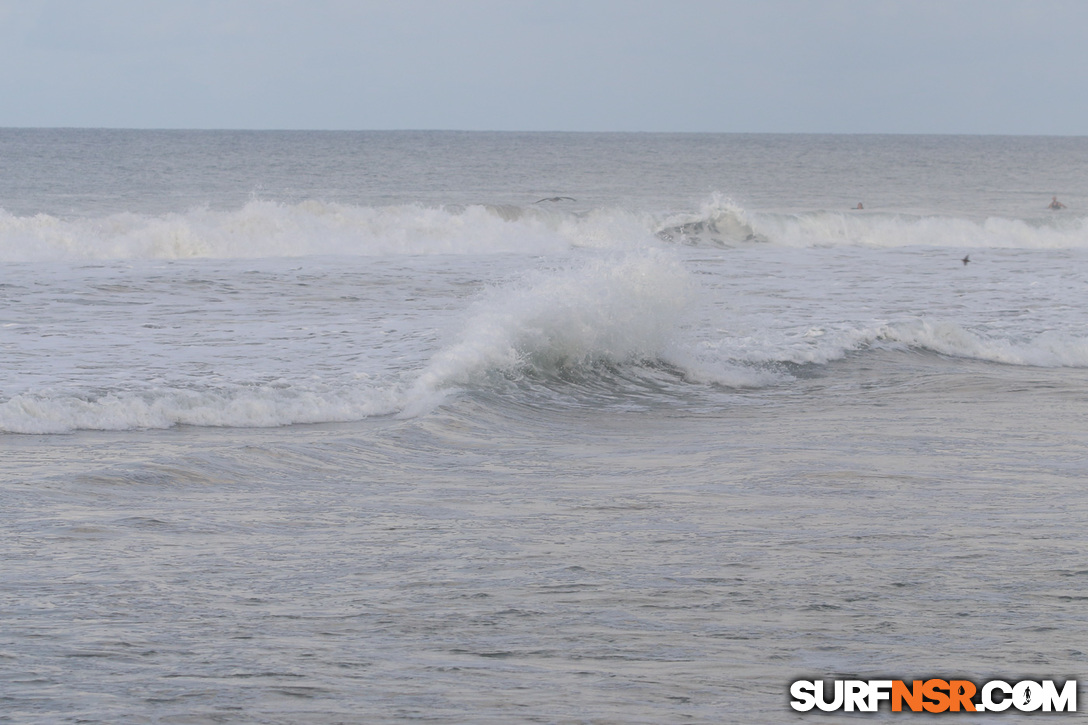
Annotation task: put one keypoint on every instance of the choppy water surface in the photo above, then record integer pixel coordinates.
(351, 428)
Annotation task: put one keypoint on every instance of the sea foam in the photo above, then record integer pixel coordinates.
(272, 229)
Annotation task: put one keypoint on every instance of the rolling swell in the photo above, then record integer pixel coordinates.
(573, 328)
(624, 330)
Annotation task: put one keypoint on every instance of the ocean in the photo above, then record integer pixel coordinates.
(452, 427)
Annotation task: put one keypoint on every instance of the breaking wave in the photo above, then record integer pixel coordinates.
(613, 310)
(606, 310)
(272, 229)
(517, 347)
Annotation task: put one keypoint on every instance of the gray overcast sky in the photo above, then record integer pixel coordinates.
(840, 66)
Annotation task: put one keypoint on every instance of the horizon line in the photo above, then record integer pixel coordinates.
(533, 131)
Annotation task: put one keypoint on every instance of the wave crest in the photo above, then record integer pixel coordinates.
(270, 229)
(605, 310)
(1048, 349)
(260, 406)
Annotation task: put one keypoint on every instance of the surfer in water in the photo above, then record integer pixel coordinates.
(1055, 204)
(859, 206)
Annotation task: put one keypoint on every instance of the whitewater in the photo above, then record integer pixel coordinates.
(493, 427)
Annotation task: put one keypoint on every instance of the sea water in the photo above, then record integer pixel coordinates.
(365, 427)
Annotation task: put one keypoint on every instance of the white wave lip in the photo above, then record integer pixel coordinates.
(820, 346)
(604, 310)
(1048, 349)
(242, 407)
(719, 221)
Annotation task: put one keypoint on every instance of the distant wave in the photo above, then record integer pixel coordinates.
(271, 229)
(719, 222)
